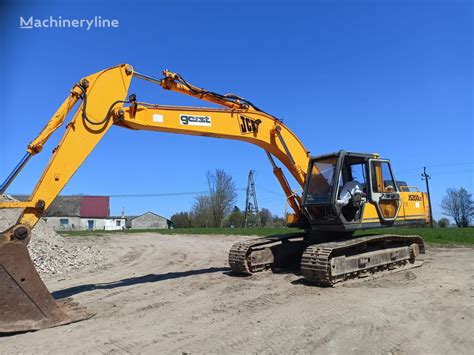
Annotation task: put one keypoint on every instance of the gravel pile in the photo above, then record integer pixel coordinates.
(51, 253)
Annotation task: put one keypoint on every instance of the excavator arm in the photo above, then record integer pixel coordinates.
(26, 303)
(103, 99)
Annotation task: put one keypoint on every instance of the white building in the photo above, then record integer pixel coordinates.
(82, 213)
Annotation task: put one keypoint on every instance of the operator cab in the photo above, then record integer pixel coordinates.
(340, 185)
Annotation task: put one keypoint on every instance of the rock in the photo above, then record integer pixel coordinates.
(50, 252)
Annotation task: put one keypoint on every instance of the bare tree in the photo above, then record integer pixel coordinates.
(265, 217)
(459, 205)
(201, 212)
(222, 195)
(181, 220)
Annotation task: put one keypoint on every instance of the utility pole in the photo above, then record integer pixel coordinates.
(251, 209)
(426, 177)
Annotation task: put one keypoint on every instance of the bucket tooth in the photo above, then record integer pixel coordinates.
(25, 302)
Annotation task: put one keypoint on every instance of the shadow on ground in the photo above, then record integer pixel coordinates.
(71, 291)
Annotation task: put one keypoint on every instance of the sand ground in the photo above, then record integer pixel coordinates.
(174, 294)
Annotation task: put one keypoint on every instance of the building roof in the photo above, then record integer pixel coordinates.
(95, 206)
(76, 206)
(64, 206)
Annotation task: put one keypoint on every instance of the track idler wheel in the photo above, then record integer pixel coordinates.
(25, 302)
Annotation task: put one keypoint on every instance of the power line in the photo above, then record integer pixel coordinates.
(436, 173)
(260, 187)
(450, 164)
(437, 165)
(189, 193)
(164, 194)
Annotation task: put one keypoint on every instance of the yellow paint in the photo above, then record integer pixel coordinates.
(408, 210)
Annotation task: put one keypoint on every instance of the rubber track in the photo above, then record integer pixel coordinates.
(315, 261)
(240, 252)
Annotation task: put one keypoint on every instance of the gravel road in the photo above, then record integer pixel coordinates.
(174, 294)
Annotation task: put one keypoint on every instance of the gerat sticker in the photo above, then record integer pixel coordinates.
(190, 120)
(248, 125)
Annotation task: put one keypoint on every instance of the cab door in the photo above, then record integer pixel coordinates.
(383, 191)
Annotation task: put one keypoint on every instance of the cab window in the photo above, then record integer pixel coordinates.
(382, 178)
(321, 181)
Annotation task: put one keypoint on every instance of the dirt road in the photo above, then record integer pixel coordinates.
(174, 294)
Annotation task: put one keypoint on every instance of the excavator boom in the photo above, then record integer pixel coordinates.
(103, 96)
(26, 303)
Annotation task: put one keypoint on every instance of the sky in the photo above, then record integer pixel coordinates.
(391, 77)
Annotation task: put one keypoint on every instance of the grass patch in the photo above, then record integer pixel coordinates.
(223, 231)
(437, 236)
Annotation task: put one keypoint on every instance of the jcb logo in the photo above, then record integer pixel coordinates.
(248, 125)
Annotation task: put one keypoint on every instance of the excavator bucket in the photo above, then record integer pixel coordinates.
(25, 302)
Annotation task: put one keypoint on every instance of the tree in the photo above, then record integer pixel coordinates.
(459, 205)
(222, 195)
(181, 220)
(443, 222)
(201, 212)
(236, 218)
(278, 221)
(265, 217)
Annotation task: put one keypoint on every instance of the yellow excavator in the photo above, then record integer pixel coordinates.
(341, 193)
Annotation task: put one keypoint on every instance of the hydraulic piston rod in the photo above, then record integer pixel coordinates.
(147, 77)
(14, 173)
